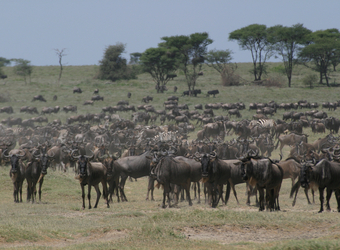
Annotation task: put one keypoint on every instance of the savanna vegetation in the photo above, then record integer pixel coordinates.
(59, 222)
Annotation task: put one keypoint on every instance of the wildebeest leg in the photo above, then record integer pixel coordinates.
(187, 189)
(337, 195)
(261, 192)
(166, 192)
(321, 199)
(96, 187)
(105, 193)
(15, 191)
(121, 187)
(40, 184)
(328, 197)
(234, 191)
(306, 193)
(227, 193)
(20, 190)
(29, 191)
(83, 195)
(150, 188)
(199, 192)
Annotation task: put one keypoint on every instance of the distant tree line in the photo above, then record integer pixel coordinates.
(319, 50)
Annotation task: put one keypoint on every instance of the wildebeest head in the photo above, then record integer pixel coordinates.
(14, 159)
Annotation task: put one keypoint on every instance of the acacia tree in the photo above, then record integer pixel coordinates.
(323, 47)
(113, 66)
(190, 52)
(254, 38)
(3, 62)
(159, 63)
(287, 42)
(23, 68)
(220, 61)
(60, 54)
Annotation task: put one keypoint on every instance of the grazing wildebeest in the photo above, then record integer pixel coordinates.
(88, 102)
(97, 98)
(17, 172)
(6, 109)
(147, 98)
(134, 166)
(77, 90)
(96, 91)
(129, 95)
(70, 108)
(91, 174)
(39, 98)
(324, 174)
(265, 175)
(170, 171)
(213, 92)
(234, 112)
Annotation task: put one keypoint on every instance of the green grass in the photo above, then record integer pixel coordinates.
(59, 222)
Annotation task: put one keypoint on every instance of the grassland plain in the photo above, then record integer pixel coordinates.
(58, 222)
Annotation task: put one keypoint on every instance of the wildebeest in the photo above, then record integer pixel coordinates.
(265, 175)
(134, 166)
(49, 110)
(39, 98)
(6, 109)
(91, 174)
(35, 172)
(97, 98)
(70, 108)
(77, 90)
(129, 95)
(234, 112)
(290, 139)
(215, 172)
(55, 97)
(213, 92)
(88, 102)
(170, 171)
(324, 174)
(17, 172)
(147, 98)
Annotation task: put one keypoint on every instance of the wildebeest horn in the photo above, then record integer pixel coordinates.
(213, 154)
(4, 155)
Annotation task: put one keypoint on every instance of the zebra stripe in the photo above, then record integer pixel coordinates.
(266, 123)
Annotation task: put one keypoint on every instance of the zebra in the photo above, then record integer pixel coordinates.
(269, 124)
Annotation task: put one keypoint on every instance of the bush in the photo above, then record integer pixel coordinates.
(113, 66)
(228, 76)
(310, 80)
(274, 81)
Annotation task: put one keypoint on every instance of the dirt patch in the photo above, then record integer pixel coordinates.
(228, 234)
(56, 243)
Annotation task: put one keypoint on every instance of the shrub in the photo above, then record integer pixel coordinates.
(310, 80)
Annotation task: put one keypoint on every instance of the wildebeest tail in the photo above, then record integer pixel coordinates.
(158, 185)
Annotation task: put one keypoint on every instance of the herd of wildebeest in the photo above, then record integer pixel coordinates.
(105, 148)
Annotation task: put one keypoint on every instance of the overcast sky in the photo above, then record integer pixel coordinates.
(32, 29)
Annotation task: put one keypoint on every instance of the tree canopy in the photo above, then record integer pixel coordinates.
(159, 63)
(254, 38)
(23, 68)
(189, 51)
(323, 47)
(287, 42)
(113, 66)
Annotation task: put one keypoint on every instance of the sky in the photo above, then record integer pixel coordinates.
(32, 30)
